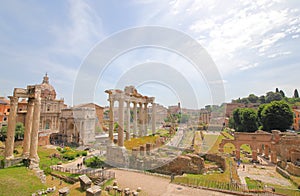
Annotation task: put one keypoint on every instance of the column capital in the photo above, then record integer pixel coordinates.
(13, 99)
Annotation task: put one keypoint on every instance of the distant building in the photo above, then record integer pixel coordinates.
(77, 126)
(4, 111)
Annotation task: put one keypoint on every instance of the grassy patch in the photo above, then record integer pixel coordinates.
(211, 143)
(215, 148)
(19, 181)
(213, 180)
(137, 142)
(254, 184)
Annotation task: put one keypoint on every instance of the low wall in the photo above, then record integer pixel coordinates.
(217, 159)
(293, 169)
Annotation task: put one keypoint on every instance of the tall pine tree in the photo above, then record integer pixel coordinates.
(296, 94)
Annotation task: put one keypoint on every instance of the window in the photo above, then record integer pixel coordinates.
(8, 110)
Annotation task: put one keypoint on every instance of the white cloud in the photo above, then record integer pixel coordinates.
(84, 31)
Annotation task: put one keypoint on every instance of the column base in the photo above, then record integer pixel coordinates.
(25, 155)
(9, 157)
(34, 163)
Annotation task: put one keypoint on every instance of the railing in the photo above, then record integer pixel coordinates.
(92, 172)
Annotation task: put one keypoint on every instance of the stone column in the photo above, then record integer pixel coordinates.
(34, 158)
(128, 121)
(111, 120)
(153, 118)
(141, 120)
(267, 151)
(10, 139)
(260, 150)
(121, 123)
(28, 128)
(145, 132)
(134, 119)
(237, 154)
(254, 155)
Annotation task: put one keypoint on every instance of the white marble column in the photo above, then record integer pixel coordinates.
(28, 128)
(34, 158)
(145, 116)
(134, 119)
(141, 120)
(10, 139)
(153, 118)
(121, 123)
(128, 121)
(111, 120)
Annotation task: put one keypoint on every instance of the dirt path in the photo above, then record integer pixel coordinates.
(156, 186)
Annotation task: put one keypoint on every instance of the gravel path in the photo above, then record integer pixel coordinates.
(156, 186)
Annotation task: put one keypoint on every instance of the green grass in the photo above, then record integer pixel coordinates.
(137, 142)
(254, 184)
(213, 180)
(19, 181)
(44, 155)
(210, 142)
(215, 148)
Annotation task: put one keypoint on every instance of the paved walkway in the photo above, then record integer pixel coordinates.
(157, 186)
(264, 173)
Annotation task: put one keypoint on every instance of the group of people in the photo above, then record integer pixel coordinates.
(79, 165)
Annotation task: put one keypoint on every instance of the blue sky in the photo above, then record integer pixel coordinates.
(254, 44)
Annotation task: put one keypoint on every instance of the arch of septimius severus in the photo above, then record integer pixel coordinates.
(32, 122)
(140, 113)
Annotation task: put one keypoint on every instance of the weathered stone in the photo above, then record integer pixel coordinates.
(85, 182)
(64, 191)
(93, 191)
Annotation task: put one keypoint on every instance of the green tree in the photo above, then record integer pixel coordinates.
(296, 94)
(184, 118)
(245, 120)
(3, 133)
(282, 93)
(271, 96)
(276, 115)
(253, 98)
(19, 133)
(262, 99)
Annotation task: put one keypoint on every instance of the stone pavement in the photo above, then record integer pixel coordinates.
(264, 173)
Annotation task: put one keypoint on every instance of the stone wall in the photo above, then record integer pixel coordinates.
(217, 159)
(293, 169)
(189, 163)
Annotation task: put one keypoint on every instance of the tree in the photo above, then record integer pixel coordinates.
(282, 93)
(271, 96)
(296, 94)
(276, 115)
(19, 133)
(276, 90)
(262, 99)
(253, 98)
(245, 120)
(3, 133)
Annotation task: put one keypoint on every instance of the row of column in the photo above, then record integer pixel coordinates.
(141, 120)
(32, 121)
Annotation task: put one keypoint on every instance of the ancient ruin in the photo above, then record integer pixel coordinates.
(277, 146)
(30, 143)
(140, 113)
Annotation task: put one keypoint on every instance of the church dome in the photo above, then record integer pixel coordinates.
(47, 90)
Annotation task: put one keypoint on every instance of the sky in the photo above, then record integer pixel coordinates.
(248, 46)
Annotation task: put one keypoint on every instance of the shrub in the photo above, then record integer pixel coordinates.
(84, 153)
(59, 149)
